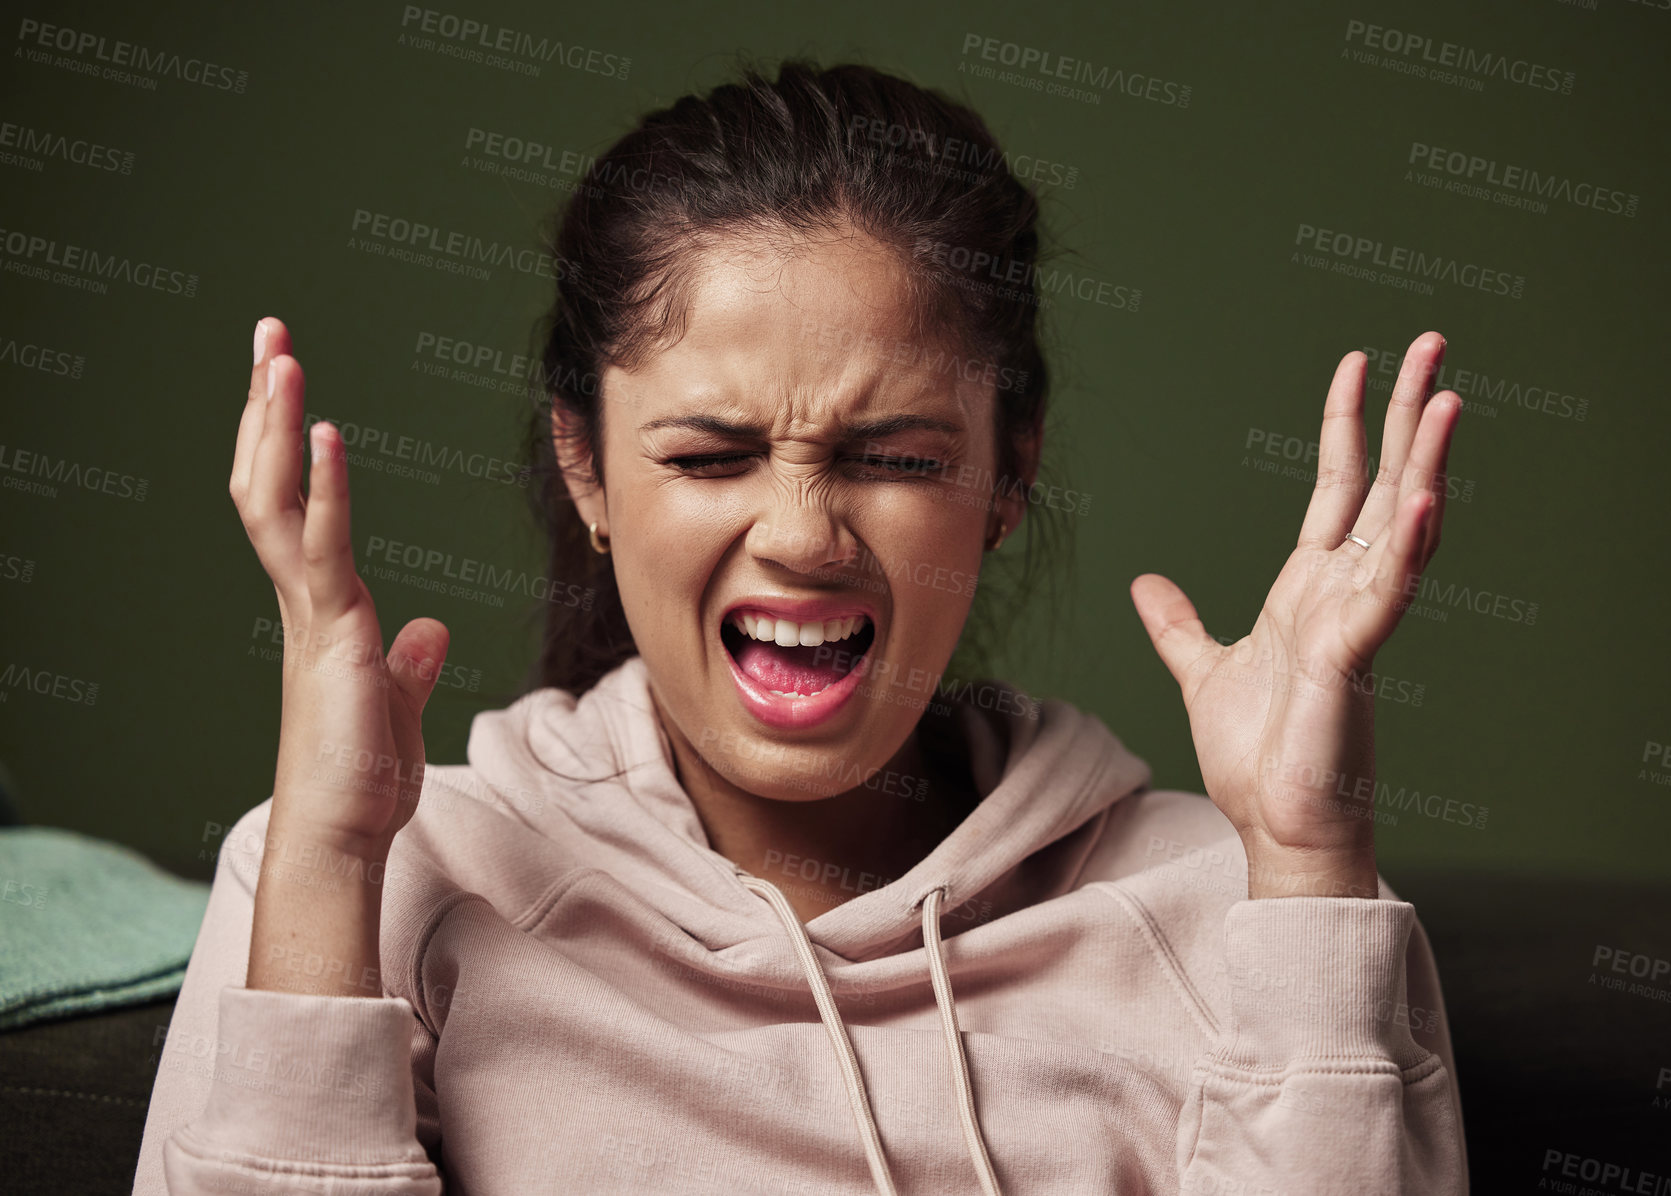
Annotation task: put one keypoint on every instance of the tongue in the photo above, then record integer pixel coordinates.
(797, 670)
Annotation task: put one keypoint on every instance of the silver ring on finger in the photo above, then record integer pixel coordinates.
(1356, 539)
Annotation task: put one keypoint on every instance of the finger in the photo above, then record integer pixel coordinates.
(1341, 470)
(271, 338)
(1425, 470)
(272, 509)
(1404, 413)
(1173, 625)
(1369, 618)
(415, 660)
(332, 583)
(1426, 467)
(277, 476)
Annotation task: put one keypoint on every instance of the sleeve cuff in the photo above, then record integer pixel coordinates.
(1319, 977)
(315, 1078)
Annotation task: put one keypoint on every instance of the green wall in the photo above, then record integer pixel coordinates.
(252, 188)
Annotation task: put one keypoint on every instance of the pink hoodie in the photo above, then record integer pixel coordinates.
(579, 995)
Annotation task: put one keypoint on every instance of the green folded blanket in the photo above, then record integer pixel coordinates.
(87, 925)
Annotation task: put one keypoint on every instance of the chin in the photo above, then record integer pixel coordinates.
(782, 772)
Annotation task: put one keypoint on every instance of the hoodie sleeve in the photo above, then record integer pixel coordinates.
(260, 1091)
(1332, 1073)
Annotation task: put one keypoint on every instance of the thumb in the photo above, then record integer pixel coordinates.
(415, 659)
(1170, 619)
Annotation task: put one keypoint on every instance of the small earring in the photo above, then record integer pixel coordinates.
(601, 547)
(992, 545)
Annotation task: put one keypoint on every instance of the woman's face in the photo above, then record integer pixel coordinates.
(797, 501)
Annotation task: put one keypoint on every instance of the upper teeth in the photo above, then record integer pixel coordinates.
(787, 633)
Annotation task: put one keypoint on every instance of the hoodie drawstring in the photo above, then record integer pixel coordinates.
(827, 1010)
(954, 1042)
(856, 1096)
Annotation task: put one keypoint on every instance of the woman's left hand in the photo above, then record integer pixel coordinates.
(1283, 720)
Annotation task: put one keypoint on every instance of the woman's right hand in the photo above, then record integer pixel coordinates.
(351, 755)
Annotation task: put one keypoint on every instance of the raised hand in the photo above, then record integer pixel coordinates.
(1283, 720)
(351, 755)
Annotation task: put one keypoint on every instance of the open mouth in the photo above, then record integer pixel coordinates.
(796, 659)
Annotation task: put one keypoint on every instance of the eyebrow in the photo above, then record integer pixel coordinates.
(870, 430)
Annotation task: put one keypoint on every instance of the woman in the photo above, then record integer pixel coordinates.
(742, 896)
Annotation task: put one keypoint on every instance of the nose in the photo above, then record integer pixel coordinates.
(801, 533)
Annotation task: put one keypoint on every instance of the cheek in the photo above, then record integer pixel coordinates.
(667, 548)
(930, 550)
(939, 526)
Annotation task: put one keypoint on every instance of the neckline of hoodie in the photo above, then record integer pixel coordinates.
(966, 716)
(1065, 776)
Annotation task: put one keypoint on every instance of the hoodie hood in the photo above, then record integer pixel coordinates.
(602, 773)
(602, 767)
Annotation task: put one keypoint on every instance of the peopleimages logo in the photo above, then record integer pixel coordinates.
(47, 360)
(424, 244)
(1376, 261)
(144, 64)
(1017, 279)
(950, 155)
(20, 466)
(45, 681)
(400, 455)
(1520, 186)
(34, 146)
(466, 572)
(34, 256)
(1626, 1180)
(495, 45)
(1448, 62)
(1482, 392)
(1042, 70)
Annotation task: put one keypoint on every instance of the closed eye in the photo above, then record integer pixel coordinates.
(903, 467)
(693, 464)
(906, 467)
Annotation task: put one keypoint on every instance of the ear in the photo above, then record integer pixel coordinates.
(574, 457)
(1010, 503)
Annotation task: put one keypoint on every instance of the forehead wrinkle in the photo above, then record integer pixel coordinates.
(820, 397)
(748, 355)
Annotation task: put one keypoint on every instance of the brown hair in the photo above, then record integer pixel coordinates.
(809, 152)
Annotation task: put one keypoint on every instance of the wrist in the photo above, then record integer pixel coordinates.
(321, 859)
(301, 966)
(318, 912)
(1286, 872)
(323, 947)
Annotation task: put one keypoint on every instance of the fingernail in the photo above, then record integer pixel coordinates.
(270, 366)
(260, 339)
